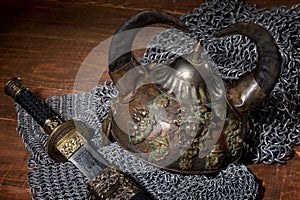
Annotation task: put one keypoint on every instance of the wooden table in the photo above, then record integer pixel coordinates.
(45, 42)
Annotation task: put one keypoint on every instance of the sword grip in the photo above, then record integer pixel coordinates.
(124, 187)
(34, 106)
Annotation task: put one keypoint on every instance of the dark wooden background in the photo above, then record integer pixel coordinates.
(45, 42)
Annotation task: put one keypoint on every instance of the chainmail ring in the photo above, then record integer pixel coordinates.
(275, 126)
(50, 180)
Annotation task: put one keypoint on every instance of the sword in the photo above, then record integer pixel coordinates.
(68, 141)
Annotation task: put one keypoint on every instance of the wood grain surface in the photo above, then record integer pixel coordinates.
(45, 42)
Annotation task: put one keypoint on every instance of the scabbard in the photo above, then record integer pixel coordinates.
(109, 183)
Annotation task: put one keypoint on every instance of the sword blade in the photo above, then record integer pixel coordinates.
(88, 161)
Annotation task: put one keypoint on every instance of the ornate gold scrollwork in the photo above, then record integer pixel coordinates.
(193, 125)
(214, 158)
(70, 143)
(141, 125)
(233, 137)
(159, 148)
(111, 184)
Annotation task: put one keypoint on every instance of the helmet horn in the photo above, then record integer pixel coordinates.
(120, 53)
(251, 89)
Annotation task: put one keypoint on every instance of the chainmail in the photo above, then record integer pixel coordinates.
(274, 125)
(50, 180)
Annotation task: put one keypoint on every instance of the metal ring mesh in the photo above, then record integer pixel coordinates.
(275, 125)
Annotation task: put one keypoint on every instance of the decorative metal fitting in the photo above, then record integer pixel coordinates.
(14, 87)
(52, 123)
(66, 139)
(59, 134)
(110, 183)
(70, 143)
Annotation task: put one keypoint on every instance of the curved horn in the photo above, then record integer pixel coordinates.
(251, 89)
(120, 50)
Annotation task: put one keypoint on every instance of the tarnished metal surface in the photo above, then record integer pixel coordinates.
(274, 126)
(203, 142)
(14, 87)
(65, 181)
(51, 123)
(245, 94)
(111, 184)
(162, 129)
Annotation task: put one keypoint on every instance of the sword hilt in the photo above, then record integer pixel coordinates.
(42, 114)
(60, 132)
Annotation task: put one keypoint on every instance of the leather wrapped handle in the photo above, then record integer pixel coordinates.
(41, 113)
(34, 106)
